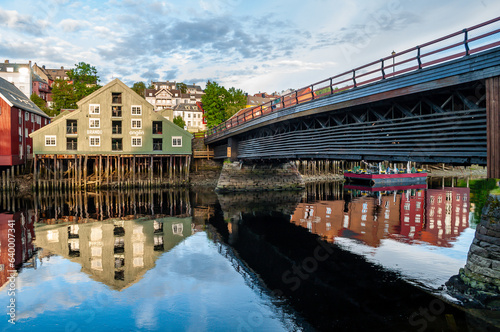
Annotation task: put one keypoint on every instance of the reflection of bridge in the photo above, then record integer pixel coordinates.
(437, 102)
(436, 216)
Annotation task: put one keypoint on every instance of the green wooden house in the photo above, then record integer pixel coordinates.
(114, 138)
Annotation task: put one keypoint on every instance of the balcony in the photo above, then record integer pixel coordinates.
(71, 144)
(71, 127)
(157, 144)
(116, 127)
(157, 128)
(116, 144)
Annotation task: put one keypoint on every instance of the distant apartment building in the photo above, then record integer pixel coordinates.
(50, 76)
(40, 87)
(19, 117)
(192, 115)
(19, 74)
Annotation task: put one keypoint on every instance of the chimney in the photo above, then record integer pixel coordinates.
(6, 61)
(43, 66)
(62, 68)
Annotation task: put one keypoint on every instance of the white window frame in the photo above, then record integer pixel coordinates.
(135, 145)
(51, 140)
(174, 140)
(94, 109)
(137, 121)
(136, 110)
(26, 116)
(93, 120)
(93, 138)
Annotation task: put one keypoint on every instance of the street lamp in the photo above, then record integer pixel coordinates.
(393, 54)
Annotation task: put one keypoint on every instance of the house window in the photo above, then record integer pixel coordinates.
(71, 127)
(26, 132)
(157, 144)
(157, 127)
(117, 144)
(94, 109)
(116, 111)
(177, 141)
(137, 124)
(94, 123)
(117, 127)
(50, 140)
(71, 143)
(33, 117)
(26, 116)
(136, 110)
(95, 140)
(136, 141)
(116, 97)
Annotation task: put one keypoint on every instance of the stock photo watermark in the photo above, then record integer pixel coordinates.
(12, 278)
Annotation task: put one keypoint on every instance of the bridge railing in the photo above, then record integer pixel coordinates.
(456, 45)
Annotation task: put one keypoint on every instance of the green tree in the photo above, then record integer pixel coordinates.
(220, 104)
(178, 120)
(63, 96)
(182, 87)
(42, 104)
(139, 88)
(85, 79)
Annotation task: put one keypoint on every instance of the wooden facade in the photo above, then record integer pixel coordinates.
(19, 116)
(113, 139)
(493, 123)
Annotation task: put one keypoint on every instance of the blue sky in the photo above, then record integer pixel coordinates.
(254, 45)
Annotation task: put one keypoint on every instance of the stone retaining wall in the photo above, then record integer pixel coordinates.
(479, 281)
(259, 177)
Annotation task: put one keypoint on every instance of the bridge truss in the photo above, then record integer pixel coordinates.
(447, 125)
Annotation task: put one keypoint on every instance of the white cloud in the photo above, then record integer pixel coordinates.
(70, 25)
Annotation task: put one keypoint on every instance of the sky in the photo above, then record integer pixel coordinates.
(253, 45)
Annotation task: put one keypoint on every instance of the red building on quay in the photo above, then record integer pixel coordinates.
(19, 117)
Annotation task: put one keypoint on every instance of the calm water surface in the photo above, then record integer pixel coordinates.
(177, 260)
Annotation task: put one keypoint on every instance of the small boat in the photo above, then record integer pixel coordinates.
(376, 177)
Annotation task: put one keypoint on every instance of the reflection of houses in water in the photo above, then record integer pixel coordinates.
(116, 253)
(436, 216)
(22, 237)
(412, 214)
(447, 214)
(77, 206)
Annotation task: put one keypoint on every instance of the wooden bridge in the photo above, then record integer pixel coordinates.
(436, 102)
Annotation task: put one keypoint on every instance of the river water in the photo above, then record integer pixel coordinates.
(327, 258)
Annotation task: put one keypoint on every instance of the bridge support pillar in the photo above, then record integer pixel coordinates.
(267, 176)
(232, 149)
(478, 283)
(493, 126)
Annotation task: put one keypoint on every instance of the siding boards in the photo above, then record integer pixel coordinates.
(458, 137)
(493, 124)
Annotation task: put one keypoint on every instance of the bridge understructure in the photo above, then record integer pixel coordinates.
(443, 126)
(449, 113)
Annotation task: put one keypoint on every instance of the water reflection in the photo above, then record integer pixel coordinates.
(435, 216)
(377, 245)
(20, 253)
(98, 206)
(116, 253)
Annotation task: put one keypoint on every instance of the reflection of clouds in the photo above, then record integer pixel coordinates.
(192, 288)
(428, 265)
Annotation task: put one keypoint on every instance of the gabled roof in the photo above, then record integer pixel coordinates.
(187, 107)
(14, 97)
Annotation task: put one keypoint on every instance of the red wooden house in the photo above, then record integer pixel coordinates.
(19, 117)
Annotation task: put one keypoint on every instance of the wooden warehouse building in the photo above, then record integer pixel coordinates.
(113, 139)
